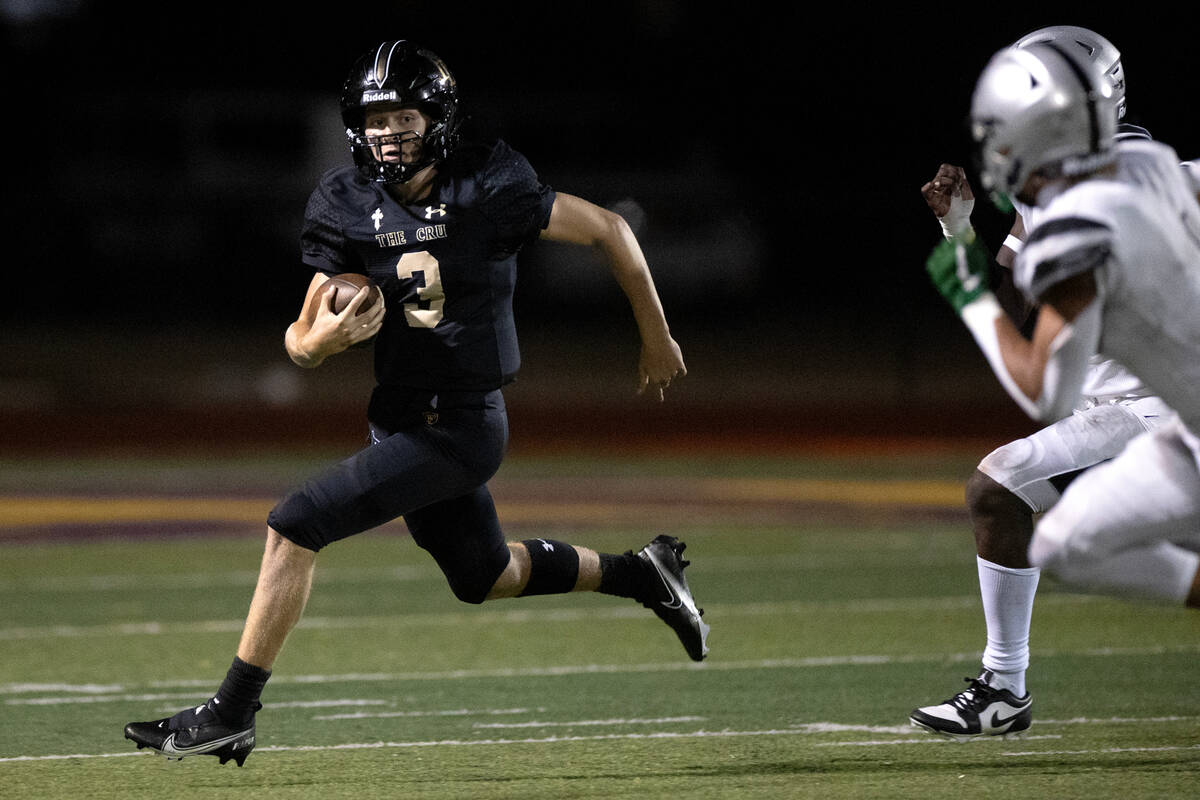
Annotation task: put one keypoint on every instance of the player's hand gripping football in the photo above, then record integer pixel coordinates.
(332, 332)
(660, 363)
(950, 198)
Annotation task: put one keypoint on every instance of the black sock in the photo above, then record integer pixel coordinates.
(623, 575)
(237, 699)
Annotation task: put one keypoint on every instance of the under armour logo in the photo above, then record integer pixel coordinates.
(430, 211)
(378, 217)
(546, 545)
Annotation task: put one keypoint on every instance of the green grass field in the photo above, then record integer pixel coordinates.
(841, 593)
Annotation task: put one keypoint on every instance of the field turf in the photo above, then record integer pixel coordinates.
(840, 588)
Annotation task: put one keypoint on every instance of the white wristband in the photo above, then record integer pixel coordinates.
(1013, 243)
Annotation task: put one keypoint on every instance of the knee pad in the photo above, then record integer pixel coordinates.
(463, 535)
(553, 567)
(470, 587)
(471, 573)
(1018, 468)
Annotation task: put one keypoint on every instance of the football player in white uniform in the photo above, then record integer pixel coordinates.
(1111, 407)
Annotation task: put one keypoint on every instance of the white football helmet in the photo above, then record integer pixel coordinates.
(1096, 47)
(1040, 107)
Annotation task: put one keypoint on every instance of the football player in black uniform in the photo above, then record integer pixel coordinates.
(436, 223)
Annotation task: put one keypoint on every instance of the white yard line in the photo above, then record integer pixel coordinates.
(828, 727)
(82, 688)
(587, 723)
(58, 584)
(701, 734)
(1112, 720)
(513, 617)
(63, 700)
(446, 712)
(603, 669)
(841, 727)
(926, 739)
(329, 703)
(11, 759)
(1103, 751)
(399, 573)
(808, 730)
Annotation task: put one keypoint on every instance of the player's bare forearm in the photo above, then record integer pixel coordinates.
(632, 274)
(293, 342)
(661, 359)
(1024, 359)
(302, 353)
(1015, 305)
(578, 221)
(1029, 360)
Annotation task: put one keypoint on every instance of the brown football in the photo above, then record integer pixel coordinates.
(344, 287)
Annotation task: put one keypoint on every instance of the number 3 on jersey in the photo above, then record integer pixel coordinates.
(422, 267)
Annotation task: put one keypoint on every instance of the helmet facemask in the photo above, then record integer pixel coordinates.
(368, 151)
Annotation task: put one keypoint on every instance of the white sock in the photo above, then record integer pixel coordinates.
(1008, 608)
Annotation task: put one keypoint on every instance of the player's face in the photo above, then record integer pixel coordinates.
(1034, 184)
(404, 128)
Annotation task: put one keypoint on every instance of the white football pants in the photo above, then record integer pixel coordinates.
(1129, 526)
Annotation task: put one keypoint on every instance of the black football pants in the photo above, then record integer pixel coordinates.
(429, 461)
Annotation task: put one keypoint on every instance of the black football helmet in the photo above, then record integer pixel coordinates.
(400, 72)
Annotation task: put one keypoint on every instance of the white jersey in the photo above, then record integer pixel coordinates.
(1139, 230)
(1106, 380)
(1191, 171)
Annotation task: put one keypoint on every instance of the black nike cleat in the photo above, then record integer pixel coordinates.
(195, 732)
(978, 710)
(673, 601)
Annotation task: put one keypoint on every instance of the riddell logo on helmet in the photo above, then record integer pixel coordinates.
(378, 97)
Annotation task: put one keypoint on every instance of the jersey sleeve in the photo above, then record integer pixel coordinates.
(323, 243)
(513, 198)
(1060, 248)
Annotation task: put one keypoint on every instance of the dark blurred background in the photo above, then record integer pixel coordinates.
(769, 158)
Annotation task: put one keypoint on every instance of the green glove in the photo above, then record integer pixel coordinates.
(1002, 201)
(959, 270)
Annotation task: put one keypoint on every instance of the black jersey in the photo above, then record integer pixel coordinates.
(446, 264)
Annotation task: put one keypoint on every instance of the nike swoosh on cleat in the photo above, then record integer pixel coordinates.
(997, 722)
(168, 747)
(674, 600)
